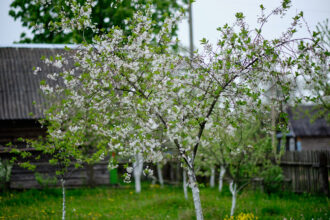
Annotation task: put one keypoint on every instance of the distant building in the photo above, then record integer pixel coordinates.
(308, 129)
(19, 88)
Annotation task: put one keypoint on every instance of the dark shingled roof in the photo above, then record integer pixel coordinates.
(19, 88)
(304, 121)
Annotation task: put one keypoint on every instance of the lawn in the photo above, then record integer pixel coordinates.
(156, 203)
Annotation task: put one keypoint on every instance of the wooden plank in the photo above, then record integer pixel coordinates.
(22, 178)
(24, 185)
(308, 173)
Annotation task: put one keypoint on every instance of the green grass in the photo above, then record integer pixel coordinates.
(156, 203)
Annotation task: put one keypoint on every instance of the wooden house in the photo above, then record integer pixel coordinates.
(19, 89)
(309, 129)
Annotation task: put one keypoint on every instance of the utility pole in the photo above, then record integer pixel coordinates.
(273, 115)
(191, 39)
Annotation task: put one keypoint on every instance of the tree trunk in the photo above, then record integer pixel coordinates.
(233, 190)
(138, 167)
(212, 177)
(221, 175)
(63, 197)
(160, 175)
(185, 184)
(195, 192)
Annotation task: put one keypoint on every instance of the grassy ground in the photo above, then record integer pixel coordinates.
(156, 203)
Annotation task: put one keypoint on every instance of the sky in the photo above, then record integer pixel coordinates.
(207, 16)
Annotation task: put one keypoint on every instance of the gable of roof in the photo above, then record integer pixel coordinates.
(19, 88)
(304, 121)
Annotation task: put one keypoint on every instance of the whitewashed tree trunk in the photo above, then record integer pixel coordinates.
(160, 175)
(63, 197)
(138, 168)
(212, 177)
(221, 175)
(195, 193)
(233, 190)
(185, 184)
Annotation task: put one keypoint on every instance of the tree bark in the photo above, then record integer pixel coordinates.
(233, 190)
(63, 199)
(212, 177)
(221, 175)
(195, 193)
(185, 184)
(160, 175)
(138, 167)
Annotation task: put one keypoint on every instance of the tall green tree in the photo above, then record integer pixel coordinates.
(105, 14)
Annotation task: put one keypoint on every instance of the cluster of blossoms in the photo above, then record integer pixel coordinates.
(148, 172)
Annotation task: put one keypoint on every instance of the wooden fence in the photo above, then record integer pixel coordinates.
(307, 171)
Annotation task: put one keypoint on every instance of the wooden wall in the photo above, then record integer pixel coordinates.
(315, 143)
(22, 178)
(97, 174)
(10, 130)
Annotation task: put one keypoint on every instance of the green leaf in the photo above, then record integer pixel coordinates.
(239, 15)
(43, 82)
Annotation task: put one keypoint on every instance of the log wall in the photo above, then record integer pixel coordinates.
(89, 175)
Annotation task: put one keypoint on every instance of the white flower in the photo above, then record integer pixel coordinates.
(46, 89)
(95, 127)
(129, 169)
(152, 124)
(112, 165)
(101, 157)
(58, 64)
(148, 172)
(127, 178)
(36, 70)
(74, 129)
